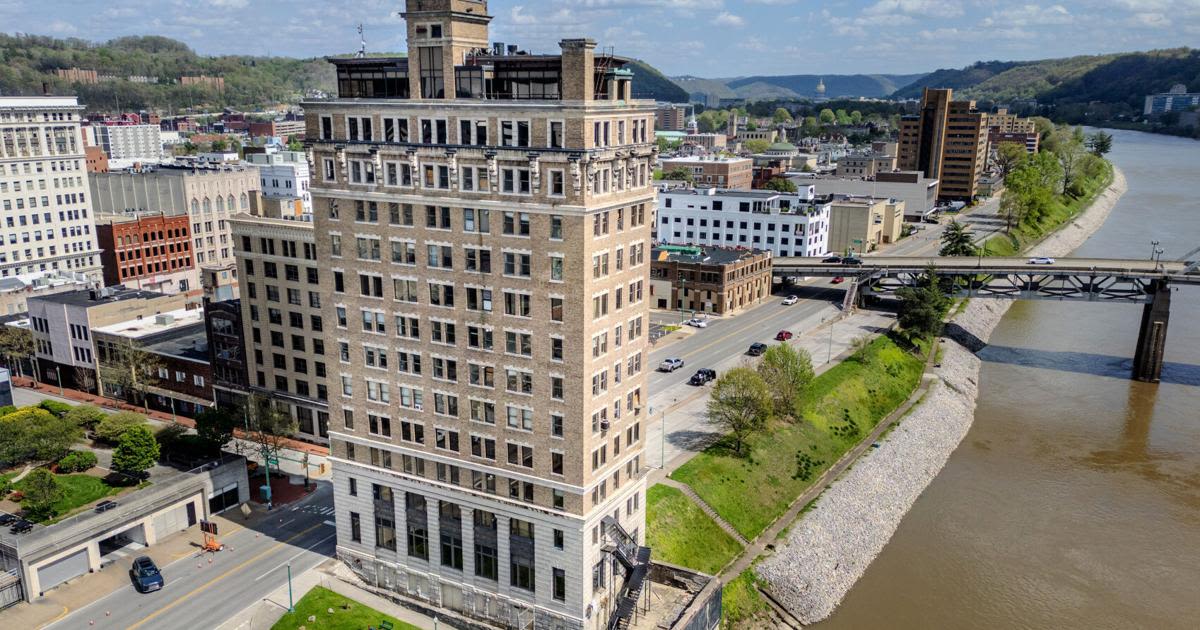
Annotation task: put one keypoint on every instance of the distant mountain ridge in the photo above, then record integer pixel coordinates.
(798, 85)
(1119, 80)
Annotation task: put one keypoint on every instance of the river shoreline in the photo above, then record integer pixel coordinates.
(829, 549)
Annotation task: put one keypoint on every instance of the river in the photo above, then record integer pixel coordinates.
(1074, 501)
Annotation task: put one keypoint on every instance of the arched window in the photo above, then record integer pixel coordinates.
(195, 206)
(245, 202)
(232, 204)
(207, 204)
(220, 204)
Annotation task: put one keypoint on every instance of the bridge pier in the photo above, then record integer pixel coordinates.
(1152, 336)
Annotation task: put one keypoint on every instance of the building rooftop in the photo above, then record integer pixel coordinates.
(707, 159)
(92, 297)
(144, 327)
(703, 254)
(187, 342)
(39, 101)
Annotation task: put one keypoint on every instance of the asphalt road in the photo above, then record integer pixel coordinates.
(732, 336)
(253, 564)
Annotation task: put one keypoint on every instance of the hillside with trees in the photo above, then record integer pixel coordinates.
(29, 61)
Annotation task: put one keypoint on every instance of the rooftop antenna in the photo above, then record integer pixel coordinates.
(362, 43)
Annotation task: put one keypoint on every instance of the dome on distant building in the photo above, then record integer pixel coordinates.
(821, 87)
(781, 146)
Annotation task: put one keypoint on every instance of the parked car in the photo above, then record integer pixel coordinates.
(7, 519)
(790, 300)
(838, 280)
(783, 335)
(698, 323)
(702, 376)
(21, 526)
(832, 258)
(1041, 260)
(851, 260)
(670, 365)
(145, 574)
(756, 349)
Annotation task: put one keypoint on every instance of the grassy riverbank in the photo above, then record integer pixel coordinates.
(1061, 210)
(681, 533)
(840, 406)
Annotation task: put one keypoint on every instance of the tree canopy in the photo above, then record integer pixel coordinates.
(740, 403)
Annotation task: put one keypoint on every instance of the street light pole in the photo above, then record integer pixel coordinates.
(829, 351)
(58, 377)
(291, 604)
(1153, 248)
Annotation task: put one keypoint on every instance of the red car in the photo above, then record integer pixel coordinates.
(783, 335)
(838, 280)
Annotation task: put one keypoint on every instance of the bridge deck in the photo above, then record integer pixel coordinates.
(966, 265)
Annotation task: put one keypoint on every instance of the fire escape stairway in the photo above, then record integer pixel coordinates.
(636, 560)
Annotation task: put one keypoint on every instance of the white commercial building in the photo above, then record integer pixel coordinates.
(284, 174)
(133, 143)
(47, 221)
(786, 224)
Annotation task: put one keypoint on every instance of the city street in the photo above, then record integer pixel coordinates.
(253, 564)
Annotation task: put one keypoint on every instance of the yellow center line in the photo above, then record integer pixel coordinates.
(735, 331)
(224, 575)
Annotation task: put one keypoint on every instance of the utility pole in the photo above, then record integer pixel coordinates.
(291, 604)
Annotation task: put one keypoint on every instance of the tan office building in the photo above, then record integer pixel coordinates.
(721, 172)
(483, 221)
(863, 224)
(946, 141)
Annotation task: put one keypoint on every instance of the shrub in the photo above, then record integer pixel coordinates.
(170, 437)
(33, 433)
(112, 427)
(42, 491)
(76, 461)
(7, 409)
(55, 407)
(86, 416)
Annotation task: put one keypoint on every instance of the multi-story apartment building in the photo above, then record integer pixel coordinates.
(671, 117)
(946, 141)
(283, 175)
(1005, 122)
(1177, 99)
(125, 143)
(278, 129)
(47, 222)
(785, 224)
(863, 223)
(720, 172)
(865, 165)
(486, 222)
(147, 251)
(209, 194)
(288, 336)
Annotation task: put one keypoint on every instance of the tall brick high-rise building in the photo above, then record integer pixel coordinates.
(947, 140)
(483, 217)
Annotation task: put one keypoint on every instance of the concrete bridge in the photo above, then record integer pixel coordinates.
(1145, 282)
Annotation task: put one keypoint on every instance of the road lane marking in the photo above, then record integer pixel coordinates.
(297, 555)
(188, 596)
(330, 523)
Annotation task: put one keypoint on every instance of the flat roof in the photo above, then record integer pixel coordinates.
(90, 297)
(707, 159)
(188, 342)
(39, 101)
(148, 325)
(708, 254)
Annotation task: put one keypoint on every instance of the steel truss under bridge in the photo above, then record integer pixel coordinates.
(1026, 285)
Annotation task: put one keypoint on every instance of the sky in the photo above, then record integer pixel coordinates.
(705, 38)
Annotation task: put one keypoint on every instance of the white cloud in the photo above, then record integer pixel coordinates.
(726, 18)
(229, 4)
(1030, 15)
(1149, 20)
(929, 8)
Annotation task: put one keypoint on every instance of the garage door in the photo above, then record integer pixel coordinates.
(223, 499)
(62, 570)
(171, 521)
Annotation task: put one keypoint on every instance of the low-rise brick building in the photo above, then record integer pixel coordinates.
(717, 280)
(148, 251)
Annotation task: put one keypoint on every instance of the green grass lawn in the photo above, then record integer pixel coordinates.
(752, 490)
(319, 600)
(741, 601)
(78, 490)
(680, 533)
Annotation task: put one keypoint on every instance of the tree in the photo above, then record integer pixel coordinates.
(267, 426)
(1100, 143)
(781, 116)
(827, 117)
(85, 416)
(666, 145)
(957, 241)
(16, 344)
(740, 403)
(1008, 156)
(294, 145)
(136, 452)
(756, 146)
(42, 491)
(812, 127)
(843, 118)
(781, 184)
(923, 306)
(787, 371)
(114, 426)
(215, 427)
(85, 379)
(679, 173)
(130, 371)
(33, 434)
(220, 145)
(856, 117)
